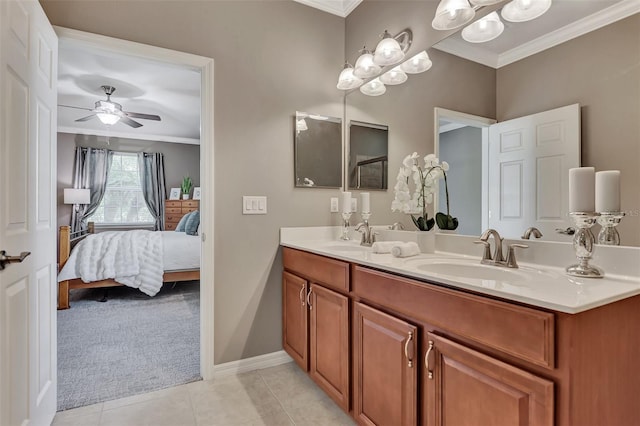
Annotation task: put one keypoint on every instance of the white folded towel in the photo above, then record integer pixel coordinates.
(384, 246)
(405, 249)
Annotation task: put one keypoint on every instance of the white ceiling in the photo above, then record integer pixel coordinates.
(141, 85)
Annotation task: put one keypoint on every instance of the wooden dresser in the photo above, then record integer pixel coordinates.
(175, 209)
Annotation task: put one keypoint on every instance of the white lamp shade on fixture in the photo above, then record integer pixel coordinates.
(77, 196)
(483, 30)
(417, 64)
(484, 2)
(388, 51)
(394, 76)
(452, 14)
(108, 118)
(373, 88)
(301, 125)
(348, 81)
(524, 10)
(365, 67)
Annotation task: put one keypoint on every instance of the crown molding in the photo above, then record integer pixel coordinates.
(583, 26)
(125, 135)
(341, 8)
(616, 12)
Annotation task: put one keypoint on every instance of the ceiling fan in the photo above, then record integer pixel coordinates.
(110, 112)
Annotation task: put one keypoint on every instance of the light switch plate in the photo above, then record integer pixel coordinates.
(252, 204)
(334, 205)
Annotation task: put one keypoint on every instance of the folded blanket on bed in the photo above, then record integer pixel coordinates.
(132, 258)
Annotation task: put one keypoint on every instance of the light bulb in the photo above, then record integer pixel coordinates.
(483, 30)
(348, 81)
(524, 10)
(107, 118)
(365, 67)
(373, 88)
(394, 76)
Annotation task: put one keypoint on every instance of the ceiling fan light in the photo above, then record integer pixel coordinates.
(365, 67)
(348, 81)
(417, 64)
(452, 14)
(107, 118)
(373, 88)
(524, 10)
(483, 30)
(394, 76)
(388, 51)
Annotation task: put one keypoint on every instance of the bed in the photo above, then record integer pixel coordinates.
(179, 260)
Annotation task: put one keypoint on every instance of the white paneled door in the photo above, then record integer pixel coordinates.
(28, 96)
(529, 158)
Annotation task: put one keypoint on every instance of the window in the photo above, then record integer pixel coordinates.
(123, 202)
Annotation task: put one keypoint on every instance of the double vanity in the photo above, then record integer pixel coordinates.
(442, 339)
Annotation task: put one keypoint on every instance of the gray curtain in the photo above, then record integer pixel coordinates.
(91, 169)
(151, 169)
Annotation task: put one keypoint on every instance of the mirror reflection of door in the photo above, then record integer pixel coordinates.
(368, 156)
(318, 151)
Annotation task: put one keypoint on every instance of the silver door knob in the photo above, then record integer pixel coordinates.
(4, 259)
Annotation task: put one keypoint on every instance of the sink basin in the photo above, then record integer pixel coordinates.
(474, 271)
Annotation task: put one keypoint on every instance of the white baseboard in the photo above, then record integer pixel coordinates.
(250, 364)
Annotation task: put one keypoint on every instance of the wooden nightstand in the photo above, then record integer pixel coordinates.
(175, 209)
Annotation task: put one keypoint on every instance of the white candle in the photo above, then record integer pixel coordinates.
(582, 189)
(366, 207)
(608, 191)
(346, 202)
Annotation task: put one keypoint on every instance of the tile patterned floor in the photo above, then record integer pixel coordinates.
(282, 395)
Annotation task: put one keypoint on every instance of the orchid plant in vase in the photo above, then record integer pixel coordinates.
(425, 179)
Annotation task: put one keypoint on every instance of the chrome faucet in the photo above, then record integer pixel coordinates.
(498, 259)
(531, 230)
(368, 234)
(396, 226)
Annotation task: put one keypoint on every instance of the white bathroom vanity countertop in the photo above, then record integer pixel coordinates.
(537, 285)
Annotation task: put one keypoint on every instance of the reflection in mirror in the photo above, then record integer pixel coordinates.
(368, 155)
(318, 151)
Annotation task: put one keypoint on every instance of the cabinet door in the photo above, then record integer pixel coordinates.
(385, 389)
(294, 319)
(465, 387)
(329, 343)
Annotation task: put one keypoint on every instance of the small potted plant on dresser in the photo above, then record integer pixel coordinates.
(187, 183)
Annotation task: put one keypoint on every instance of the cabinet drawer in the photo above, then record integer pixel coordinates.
(172, 210)
(173, 203)
(186, 210)
(170, 226)
(190, 204)
(330, 272)
(173, 217)
(516, 330)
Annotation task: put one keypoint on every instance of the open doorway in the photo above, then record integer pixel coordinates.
(180, 297)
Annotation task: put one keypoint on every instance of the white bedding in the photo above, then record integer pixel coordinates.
(134, 258)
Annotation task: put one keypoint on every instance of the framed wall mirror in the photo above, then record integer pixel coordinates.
(318, 151)
(368, 156)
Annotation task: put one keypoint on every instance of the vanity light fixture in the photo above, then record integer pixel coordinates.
(484, 2)
(451, 14)
(483, 30)
(373, 88)
(348, 81)
(417, 64)
(524, 10)
(365, 67)
(301, 125)
(389, 51)
(394, 76)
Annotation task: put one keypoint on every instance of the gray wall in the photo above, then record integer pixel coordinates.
(407, 109)
(179, 160)
(272, 58)
(601, 72)
(462, 149)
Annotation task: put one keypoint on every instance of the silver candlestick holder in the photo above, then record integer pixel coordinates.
(345, 226)
(365, 217)
(583, 244)
(608, 234)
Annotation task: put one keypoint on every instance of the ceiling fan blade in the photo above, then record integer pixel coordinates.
(145, 116)
(71, 106)
(129, 122)
(87, 118)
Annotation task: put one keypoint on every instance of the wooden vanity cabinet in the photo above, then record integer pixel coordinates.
(465, 387)
(385, 368)
(316, 321)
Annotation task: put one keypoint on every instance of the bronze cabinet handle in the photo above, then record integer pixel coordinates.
(426, 360)
(406, 350)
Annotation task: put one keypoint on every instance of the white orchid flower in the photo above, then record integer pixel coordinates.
(430, 160)
(445, 166)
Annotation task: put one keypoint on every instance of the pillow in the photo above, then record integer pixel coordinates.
(183, 222)
(191, 227)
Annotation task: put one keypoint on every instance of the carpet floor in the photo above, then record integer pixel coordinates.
(129, 345)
